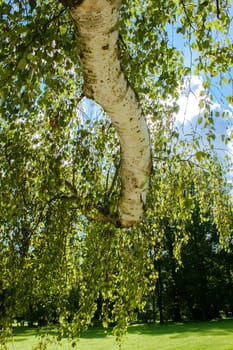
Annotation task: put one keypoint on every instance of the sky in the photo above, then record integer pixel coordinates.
(189, 113)
(189, 110)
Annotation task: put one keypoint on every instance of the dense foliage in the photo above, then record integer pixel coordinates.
(58, 167)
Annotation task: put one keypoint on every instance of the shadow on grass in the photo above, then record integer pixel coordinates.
(220, 327)
(21, 334)
(175, 330)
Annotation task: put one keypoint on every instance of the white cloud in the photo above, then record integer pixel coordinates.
(191, 94)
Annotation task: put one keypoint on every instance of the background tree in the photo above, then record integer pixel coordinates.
(186, 235)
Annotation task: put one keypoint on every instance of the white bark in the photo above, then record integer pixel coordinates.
(96, 23)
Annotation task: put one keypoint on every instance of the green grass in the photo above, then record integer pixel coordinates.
(215, 335)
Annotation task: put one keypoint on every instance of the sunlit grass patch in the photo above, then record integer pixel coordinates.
(214, 335)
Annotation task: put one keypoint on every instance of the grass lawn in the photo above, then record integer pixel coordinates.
(215, 335)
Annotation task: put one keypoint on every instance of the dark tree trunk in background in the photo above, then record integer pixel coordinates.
(160, 293)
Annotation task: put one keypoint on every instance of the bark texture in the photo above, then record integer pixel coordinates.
(96, 23)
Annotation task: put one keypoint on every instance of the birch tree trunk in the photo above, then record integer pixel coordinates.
(96, 23)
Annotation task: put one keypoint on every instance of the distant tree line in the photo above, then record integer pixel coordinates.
(200, 287)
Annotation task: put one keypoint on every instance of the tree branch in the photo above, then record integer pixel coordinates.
(96, 23)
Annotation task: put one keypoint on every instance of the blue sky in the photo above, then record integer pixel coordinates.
(187, 117)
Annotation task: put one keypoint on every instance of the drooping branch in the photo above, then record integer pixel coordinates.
(96, 23)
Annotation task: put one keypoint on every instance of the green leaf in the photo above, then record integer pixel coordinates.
(22, 63)
(200, 120)
(200, 155)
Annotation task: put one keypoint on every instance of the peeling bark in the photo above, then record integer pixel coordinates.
(96, 23)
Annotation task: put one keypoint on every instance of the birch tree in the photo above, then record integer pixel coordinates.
(96, 24)
(125, 73)
(73, 186)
